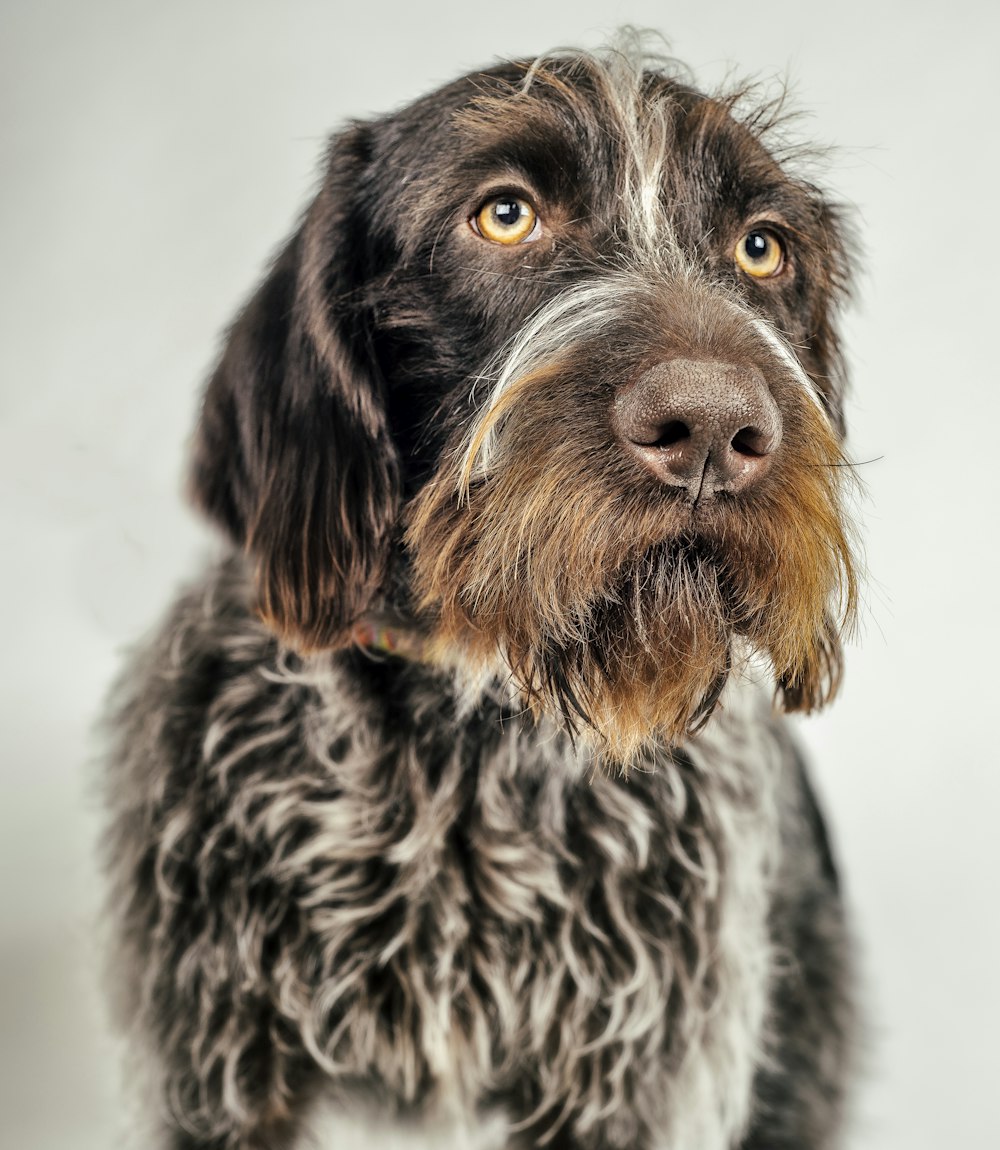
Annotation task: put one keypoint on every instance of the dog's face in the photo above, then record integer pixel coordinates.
(551, 366)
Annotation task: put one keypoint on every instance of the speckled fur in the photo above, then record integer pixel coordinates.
(329, 884)
(360, 898)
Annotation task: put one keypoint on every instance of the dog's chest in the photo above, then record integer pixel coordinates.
(496, 930)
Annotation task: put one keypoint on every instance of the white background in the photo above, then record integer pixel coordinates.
(153, 156)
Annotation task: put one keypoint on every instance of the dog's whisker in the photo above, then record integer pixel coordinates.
(852, 464)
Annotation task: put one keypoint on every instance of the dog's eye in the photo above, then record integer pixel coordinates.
(760, 253)
(506, 220)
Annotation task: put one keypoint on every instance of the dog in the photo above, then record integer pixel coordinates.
(453, 802)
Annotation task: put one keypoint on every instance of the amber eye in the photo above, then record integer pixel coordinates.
(506, 220)
(760, 253)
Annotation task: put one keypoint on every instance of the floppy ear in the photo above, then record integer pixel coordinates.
(835, 278)
(292, 455)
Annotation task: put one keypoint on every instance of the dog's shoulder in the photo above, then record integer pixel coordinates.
(208, 635)
(199, 677)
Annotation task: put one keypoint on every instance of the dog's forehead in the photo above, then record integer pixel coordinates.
(575, 104)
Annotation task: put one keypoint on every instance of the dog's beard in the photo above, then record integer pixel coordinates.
(617, 606)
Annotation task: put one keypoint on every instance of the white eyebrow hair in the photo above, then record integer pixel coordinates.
(577, 311)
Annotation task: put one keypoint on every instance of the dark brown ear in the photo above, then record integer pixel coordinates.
(834, 276)
(292, 455)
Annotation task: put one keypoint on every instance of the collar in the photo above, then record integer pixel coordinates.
(385, 636)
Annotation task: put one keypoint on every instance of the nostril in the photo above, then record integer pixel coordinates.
(751, 442)
(654, 433)
(673, 432)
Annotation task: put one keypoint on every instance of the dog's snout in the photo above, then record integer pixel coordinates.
(704, 426)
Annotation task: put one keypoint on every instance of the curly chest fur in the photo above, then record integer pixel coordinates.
(428, 902)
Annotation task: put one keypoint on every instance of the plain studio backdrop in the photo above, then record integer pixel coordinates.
(154, 155)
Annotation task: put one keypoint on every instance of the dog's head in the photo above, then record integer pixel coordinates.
(551, 366)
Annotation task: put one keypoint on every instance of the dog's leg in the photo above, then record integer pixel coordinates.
(253, 1102)
(261, 1136)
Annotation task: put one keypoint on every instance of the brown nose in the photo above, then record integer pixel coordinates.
(705, 426)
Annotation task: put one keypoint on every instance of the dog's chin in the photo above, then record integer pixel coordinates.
(650, 658)
(645, 656)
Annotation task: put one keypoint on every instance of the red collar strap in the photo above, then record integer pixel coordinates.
(386, 638)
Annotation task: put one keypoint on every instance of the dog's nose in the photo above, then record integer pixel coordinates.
(701, 425)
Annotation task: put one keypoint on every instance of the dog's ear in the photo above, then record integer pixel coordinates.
(835, 277)
(292, 455)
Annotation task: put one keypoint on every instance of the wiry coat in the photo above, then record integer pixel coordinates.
(418, 884)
